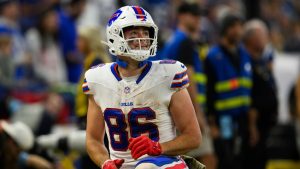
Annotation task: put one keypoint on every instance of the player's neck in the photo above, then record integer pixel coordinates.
(132, 69)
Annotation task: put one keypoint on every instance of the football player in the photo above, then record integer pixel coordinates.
(138, 103)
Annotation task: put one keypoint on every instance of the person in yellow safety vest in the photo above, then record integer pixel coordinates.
(228, 71)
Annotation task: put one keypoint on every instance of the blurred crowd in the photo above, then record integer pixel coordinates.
(47, 45)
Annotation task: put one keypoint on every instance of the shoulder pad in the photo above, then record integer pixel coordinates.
(91, 77)
(178, 72)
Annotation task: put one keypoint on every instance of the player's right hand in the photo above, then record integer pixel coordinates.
(142, 145)
(112, 164)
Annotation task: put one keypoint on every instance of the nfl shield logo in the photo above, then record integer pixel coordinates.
(127, 90)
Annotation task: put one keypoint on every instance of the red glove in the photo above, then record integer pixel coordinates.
(143, 145)
(112, 164)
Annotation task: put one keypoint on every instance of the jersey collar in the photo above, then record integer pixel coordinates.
(114, 70)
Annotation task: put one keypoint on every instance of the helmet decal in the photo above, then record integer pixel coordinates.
(114, 17)
(140, 13)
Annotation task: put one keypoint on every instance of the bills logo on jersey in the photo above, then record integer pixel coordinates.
(140, 13)
(126, 104)
(114, 17)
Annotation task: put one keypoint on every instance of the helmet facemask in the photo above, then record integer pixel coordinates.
(139, 48)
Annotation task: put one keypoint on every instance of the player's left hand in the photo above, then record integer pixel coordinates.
(142, 145)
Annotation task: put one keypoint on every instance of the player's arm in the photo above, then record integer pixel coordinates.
(95, 133)
(184, 116)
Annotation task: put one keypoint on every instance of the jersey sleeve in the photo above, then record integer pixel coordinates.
(87, 87)
(180, 79)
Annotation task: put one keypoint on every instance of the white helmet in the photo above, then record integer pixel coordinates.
(125, 17)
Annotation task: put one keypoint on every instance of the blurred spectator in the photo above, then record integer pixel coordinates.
(162, 9)
(264, 108)
(96, 12)
(279, 15)
(208, 30)
(39, 110)
(22, 62)
(15, 139)
(215, 10)
(6, 70)
(26, 77)
(228, 72)
(182, 47)
(89, 45)
(68, 16)
(43, 42)
(9, 17)
(293, 42)
(52, 107)
(31, 9)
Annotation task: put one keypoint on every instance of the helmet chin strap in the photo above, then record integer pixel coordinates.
(124, 64)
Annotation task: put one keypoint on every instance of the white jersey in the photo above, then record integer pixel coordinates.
(140, 106)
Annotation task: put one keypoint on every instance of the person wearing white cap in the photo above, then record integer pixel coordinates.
(15, 139)
(20, 133)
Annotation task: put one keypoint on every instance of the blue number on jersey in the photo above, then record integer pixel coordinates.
(115, 120)
(137, 129)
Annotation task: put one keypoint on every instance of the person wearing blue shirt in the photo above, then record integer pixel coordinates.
(68, 38)
(182, 46)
